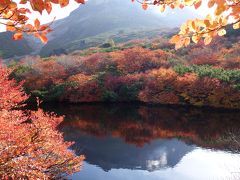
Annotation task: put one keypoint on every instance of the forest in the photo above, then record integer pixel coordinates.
(149, 71)
(113, 89)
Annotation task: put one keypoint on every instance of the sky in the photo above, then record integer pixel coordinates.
(60, 13)
(57, 12)
(63, 12)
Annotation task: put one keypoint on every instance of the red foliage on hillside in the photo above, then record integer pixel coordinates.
(196, 75)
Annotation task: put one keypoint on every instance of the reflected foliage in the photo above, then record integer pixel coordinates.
(140, 125)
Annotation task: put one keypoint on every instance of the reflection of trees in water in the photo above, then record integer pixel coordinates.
(140, 124)
(141, 137)
(232, 138)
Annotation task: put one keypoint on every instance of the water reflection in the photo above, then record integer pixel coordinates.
(139, 142)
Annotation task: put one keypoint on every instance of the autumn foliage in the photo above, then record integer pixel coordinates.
(30, 145)
(140, 125)
(225, 12)
(15, 16)
(195, 75)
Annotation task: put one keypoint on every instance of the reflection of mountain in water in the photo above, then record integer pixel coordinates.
(132, 136)
(109, 152)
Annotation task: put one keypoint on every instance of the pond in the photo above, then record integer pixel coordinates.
(128, 142)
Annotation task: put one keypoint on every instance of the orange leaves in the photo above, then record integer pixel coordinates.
(37, 24)
(27, 145)
(63, 3)
(42, 37)
(211, 3)
(207, 40)
(17, 36)
(18, 18)
(200, 29)
(37, 5)
(180, 41)
(211, 26)
(10, 26)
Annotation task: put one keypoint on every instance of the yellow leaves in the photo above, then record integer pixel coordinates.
(190, 2)
(221, 32)
(207, 40)
(236, 25)
(207, 28)
(195, 38)
(162, 8)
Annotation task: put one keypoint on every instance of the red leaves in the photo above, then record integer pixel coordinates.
(28, 137)
(80, 1)
(48, 7)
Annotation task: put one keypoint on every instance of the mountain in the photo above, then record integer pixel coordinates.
(96, 22)
(99, 20)
(10, 48)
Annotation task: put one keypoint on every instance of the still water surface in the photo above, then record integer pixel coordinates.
(134, 142)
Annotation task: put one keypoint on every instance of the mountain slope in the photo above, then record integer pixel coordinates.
(10, 48)
(105, 18)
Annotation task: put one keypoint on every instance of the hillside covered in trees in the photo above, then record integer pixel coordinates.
(148, 71)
